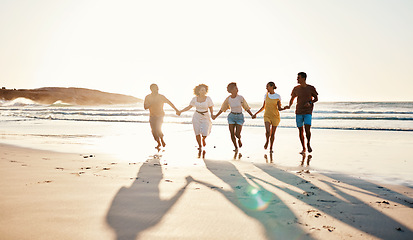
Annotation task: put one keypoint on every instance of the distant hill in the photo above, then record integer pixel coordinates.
(74, 96)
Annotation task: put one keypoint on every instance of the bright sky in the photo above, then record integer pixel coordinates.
(351, 49)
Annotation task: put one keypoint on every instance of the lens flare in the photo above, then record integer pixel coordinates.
(254, 198)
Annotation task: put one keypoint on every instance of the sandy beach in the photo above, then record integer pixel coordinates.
(177, 193)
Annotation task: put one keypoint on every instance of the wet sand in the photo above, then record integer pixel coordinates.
(178, 193)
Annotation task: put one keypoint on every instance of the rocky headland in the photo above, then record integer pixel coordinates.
(73, 96)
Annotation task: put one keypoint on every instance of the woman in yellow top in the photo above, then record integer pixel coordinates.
(272, 106)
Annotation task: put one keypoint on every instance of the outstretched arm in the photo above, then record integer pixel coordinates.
(291, 101)
(186, 109)
(250, 113)
(215, 116)
(281, 108)
(173, 106)
(262, 108)
(211, 109)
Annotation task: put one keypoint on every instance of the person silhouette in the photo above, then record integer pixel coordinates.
(155, 102)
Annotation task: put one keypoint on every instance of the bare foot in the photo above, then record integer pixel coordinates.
(239, 143)
(266, 145)
(203, 142)
(236, 149)
(303, 151)
(163, 143)
(271, 150)
(309, 148)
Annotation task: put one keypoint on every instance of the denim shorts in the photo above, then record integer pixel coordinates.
(236, 118)
(302, 119)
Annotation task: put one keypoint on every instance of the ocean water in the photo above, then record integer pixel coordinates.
(61, 127)
(373, 116)
(369, 139)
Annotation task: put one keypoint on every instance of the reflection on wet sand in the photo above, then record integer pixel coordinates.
(237, 155)
(271, 158)
(201, 153)
(305, 169)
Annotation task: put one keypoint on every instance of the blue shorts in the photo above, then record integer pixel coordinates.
(236, 118)
(302, 119)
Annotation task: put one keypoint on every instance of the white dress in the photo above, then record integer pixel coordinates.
(201, 120)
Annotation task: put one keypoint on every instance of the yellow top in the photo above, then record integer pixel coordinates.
(271, 113)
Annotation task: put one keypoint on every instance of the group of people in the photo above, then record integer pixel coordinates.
(306, 97)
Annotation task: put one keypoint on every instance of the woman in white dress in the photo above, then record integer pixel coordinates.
(202, 118)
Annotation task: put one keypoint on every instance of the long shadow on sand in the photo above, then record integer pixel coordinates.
(132, 210)
(255, 201)
(376, 190)
(358, 214)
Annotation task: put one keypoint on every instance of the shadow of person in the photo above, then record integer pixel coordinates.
(376, 190)
(362, 216)
(255, 201)
(139, 207)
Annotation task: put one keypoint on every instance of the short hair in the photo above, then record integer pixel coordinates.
(303, 75)
(231, 86)
(272, 84)
(153, 86)
(198, 88)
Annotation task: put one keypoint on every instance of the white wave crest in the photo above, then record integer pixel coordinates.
(59, 103)
(19, 102)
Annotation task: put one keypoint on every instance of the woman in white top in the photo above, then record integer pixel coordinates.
(201, 120)
(235, 118)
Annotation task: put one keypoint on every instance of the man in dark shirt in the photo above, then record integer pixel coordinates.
(306, 97)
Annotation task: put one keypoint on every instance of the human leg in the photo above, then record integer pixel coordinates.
(308, 135)
(203, 141)
(267, 133)
(301, 136)
(238, 129)
(156, 123)
(299, 118)
(232, 132)
(307, 127)
(198, 140)
(272, 137)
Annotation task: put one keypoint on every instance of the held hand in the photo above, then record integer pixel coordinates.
(254, 116)
(213, 117)
(178, 113)
(286, 107)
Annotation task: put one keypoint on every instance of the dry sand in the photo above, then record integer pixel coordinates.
(49, 195)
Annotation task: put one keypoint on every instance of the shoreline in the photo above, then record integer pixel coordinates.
(52, 195)
(376, 155)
